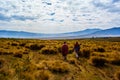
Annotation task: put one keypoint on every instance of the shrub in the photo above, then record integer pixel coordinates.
(8, 43)
(22, 44)
(36, 47)
(98, 61)
(14, 44)
(2, 61)
(5, 53)
(48, 51)
(86, 53)
(0, 52)
(72, 61)
(59, 49)
(100, 50)
(117, 76)
(70, 51)
(18, 55)
(25, 52)
(115, 61)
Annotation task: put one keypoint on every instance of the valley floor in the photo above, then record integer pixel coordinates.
(34, 59)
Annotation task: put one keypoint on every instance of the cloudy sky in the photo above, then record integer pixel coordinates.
(58, 16)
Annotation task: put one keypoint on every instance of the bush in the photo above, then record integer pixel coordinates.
(25, 52)
(36, 47)
(117, 76)
(5, 53)
(14, 44)
(0, 52)
(100, 50)
(22, 44)
(115, 62)
(70, 51)
(18, 55)
(59, 49)
(2, 61)
(48, 51)
(72, 61)
(98, 61)
(86, 53)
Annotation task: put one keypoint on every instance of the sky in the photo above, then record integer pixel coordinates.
(58, 16)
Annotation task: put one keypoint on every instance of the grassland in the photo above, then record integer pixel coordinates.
(34, 59)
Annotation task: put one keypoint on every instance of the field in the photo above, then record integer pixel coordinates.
(34, 59)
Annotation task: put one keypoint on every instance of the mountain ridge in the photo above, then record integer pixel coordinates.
(87, 33)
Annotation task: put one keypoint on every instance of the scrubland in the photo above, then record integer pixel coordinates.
(35, 59)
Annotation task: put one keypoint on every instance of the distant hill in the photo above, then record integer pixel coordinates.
(84, 32)
(88, 33)
(17, 34)
(112, 32)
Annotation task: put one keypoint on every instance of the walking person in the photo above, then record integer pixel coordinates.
(77, 49)
(65, 50)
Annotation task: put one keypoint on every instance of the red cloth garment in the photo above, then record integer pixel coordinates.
(64, 50)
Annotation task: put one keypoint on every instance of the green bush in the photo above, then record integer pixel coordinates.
(86, 53)
(5, 53)
(100, 50)
(115, 62)
(36, 47)
(60, 49)
(14, 44)
(70, 51)
(72, 61)
(18, 55)
(98, 61)
(48, 51)
(1, 52)
(25, 52)
(2, 61)
(22, 44)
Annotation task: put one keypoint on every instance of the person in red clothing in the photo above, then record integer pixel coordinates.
(65, 50)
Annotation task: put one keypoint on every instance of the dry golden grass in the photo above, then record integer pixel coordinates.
(117, 75)
(34, 59)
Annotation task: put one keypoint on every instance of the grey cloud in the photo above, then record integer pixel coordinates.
(114, 1)
(22, 18)
(110, 7)
(3, 9)
(9, 18)
(4, 18)
(47, 3)
(52, 14)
